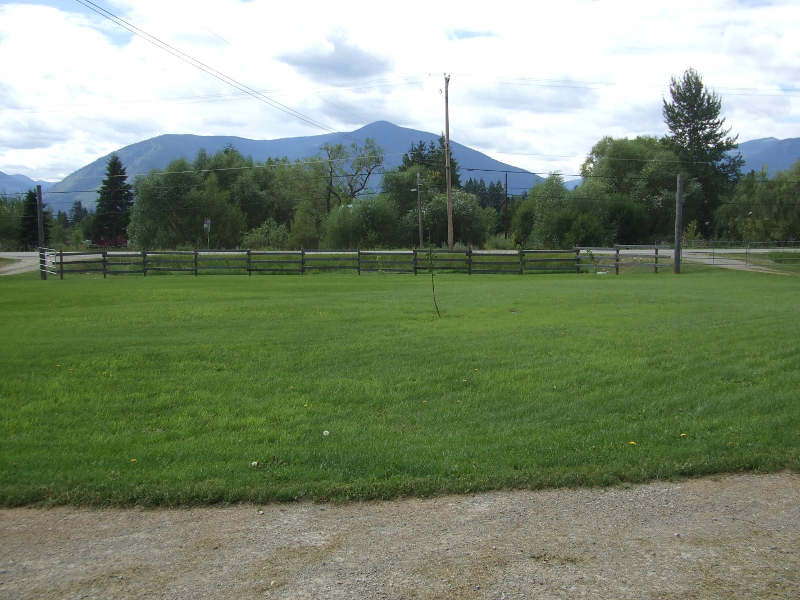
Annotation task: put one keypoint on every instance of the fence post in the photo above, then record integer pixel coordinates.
(61, 264)
(616, 260)
(469, 260)
(358, 263)
(144, 263)
(430, 259)
(105, 263)
(655, 265)
(414, 260)
(521, 261)
(248, 262)
(302, 261)
(42, 263)
(577, 259)
(747, 254)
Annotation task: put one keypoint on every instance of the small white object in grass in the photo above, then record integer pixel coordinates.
(261, 512)
(326, 433)
(602, 272)
(254, 464)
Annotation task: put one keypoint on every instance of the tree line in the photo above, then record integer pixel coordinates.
(627, 196)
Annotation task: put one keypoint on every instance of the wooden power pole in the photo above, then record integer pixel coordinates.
(676, 259)
(419, 207)
(505, 210)
(450, 240)
(40, 233)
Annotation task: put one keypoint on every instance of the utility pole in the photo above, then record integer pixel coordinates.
(676, 259)
(419, 207)
(505, 209)
(40, 234)
(450, 240)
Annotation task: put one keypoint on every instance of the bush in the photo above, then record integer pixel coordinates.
(499, 242)
(270, 235)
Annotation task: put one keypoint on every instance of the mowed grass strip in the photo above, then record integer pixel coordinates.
(164, 391)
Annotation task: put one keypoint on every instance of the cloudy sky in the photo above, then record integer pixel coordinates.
(534, 84)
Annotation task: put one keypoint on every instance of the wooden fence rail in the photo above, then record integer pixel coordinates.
(299, 262)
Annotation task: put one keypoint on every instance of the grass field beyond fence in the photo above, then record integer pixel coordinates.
(181, 390)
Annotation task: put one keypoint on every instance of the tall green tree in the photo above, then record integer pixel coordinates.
(762, 209)
(636, 179)
(472, 224)
(432, 157)
(702, 143)
(11, 210)
(164, 216)
(29, 223)
(77, 213)
(114, 202)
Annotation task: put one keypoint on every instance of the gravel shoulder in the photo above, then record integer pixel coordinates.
(717, 537)
(23, 261)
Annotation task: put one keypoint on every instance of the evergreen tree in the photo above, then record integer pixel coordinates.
(77, 213)
(701, 142)
(29, 224)
(432, 158)
(114, 204)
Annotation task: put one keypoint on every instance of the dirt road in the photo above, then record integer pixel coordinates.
(721, 537)
(23, 261)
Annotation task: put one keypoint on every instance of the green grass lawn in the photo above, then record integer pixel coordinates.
(164, 390)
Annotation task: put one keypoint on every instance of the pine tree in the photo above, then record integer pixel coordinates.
(114, 203)
(29, 224)
(432, 158)
(699, 139)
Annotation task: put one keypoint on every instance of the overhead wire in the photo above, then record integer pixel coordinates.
(203, 66)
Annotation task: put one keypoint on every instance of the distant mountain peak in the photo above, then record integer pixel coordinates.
(19, 184)
(156, 153)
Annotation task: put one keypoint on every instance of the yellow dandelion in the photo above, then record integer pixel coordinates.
(133, 460)
(683, 435)
(631, 443)
(465, 381)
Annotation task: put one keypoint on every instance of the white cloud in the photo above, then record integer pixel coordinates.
(533, 84)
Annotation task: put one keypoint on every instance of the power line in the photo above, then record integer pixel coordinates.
(202, 66)
(203, 98)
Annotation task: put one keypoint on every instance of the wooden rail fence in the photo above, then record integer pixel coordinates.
(299, 262)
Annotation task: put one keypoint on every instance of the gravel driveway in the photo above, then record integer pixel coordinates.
(23, 261)
(721, 537)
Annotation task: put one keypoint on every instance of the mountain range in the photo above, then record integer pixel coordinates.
(19, 184)
(156, 153)
(770, 153)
